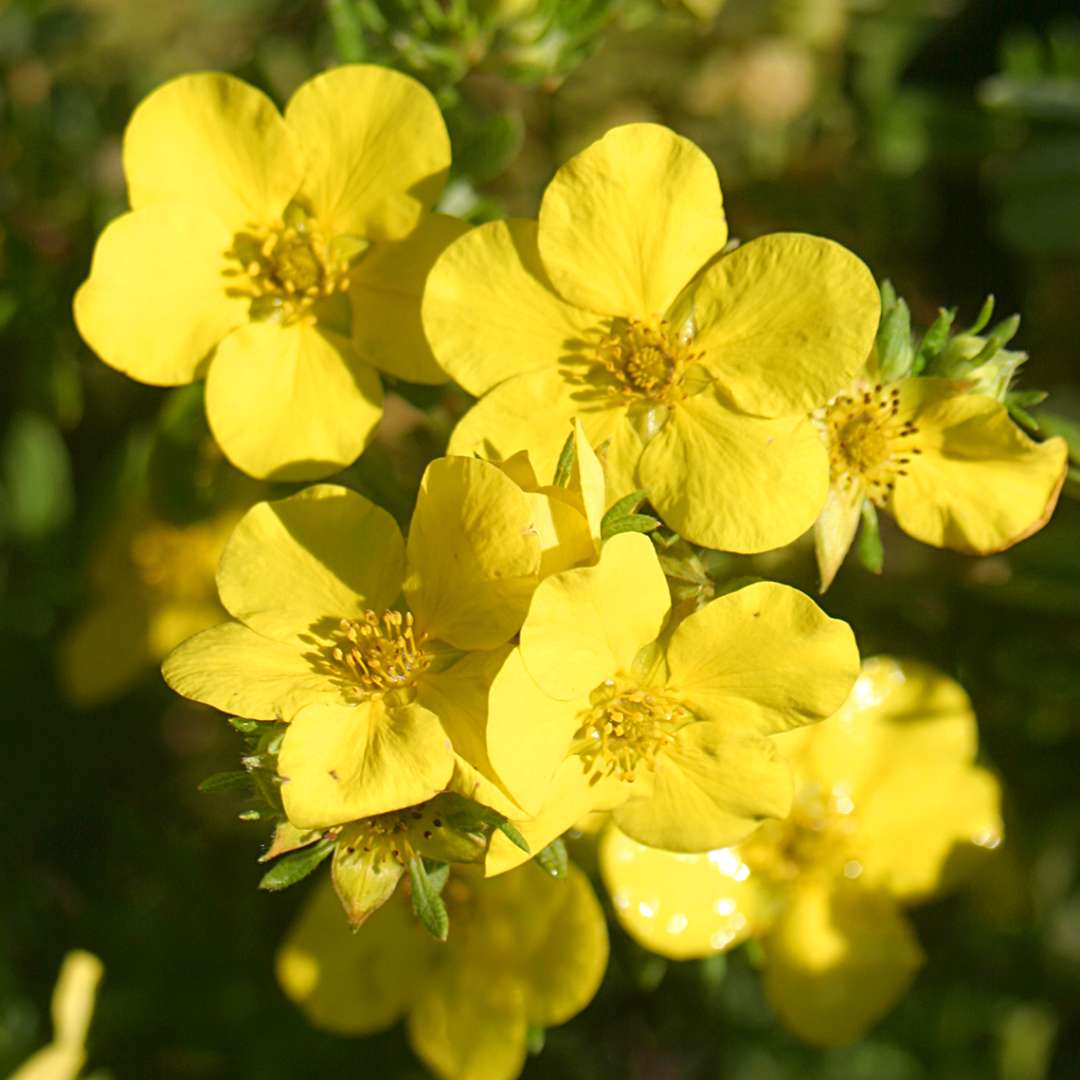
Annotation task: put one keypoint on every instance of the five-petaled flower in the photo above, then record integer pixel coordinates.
(697, 368)
(280, 257)
(603, 707)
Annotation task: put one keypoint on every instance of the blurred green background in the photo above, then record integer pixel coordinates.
(938, 139)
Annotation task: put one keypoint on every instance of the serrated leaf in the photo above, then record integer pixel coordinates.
(225, 781)
(564, 469)
(363, 880)
(869, 548)
(426, 901)
(553, 859)
(295, 867)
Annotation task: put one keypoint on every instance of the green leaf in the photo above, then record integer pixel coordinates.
(564, 469)
(426, 901)
(554, 859)
(243, 725)
(511, 834)
(438, 873)
(225, 781)
(869, 547)
(641, 523)
(290, 869)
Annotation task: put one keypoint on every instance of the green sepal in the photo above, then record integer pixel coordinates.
(564, 468)
(869, 548)
(553, 859)
(471, 817)
(896, 357)
(426, 901)
(535, 1036)
(935, 338)
(225, 781)
(983, 318)
(622, 517)
(287, 837)
(295, 867)
(640, 523)
(363, 879)
(244, 725)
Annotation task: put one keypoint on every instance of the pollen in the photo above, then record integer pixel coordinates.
(378, 652)
(625, 730)
(286, 268)
(868, 441)
(646, 359)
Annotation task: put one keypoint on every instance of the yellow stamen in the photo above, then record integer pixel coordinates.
(868, 441)
(625, 730)
(378, 653)
(646, 359)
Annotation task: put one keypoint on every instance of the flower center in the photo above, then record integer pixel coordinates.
(868, 441)
(286, 268)
(625, 729)
(378, 653)
(646, 359)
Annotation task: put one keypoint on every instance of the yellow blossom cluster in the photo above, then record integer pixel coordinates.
(433, 710)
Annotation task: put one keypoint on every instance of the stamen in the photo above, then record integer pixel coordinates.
(864, 433)
(646, 359)
(378, 653)
(625, 730)
(286, 268)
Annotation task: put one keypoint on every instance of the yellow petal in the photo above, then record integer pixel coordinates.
(155, 304)
(785, 322)
(490, 312)
(680, 905)
(587, 625)
(353, 983)
(762, 659)
(919, 835)
(980, 484)
(837, 961)
(534, 411)
(733, 482)
(465, 1026)
(343, 762)
(290, 402)
(245, 674)
(296, 567)
(528, 733)
(375, 147)
(107, 650)
(569, 798)
(562, 939)
(458, 696)
(562, 530)
(587, 479)
(627, 223)
(710, 789)
(473, 554)
(385, 290)
(835, 529)
(215, 142)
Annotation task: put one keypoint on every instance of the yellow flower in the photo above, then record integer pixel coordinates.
(72, 1008)
(386, 703)
(280, 257)
(592, 711)
(153, 586)
(524, 950)
(950, 466)
(698, 371)
(889, 809)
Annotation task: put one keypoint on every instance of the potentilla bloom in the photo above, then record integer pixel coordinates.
(889, 809)
(949, 465)
(524, 950)
(598, 709)
(695, 369)
(379, 655)
(280, 257)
